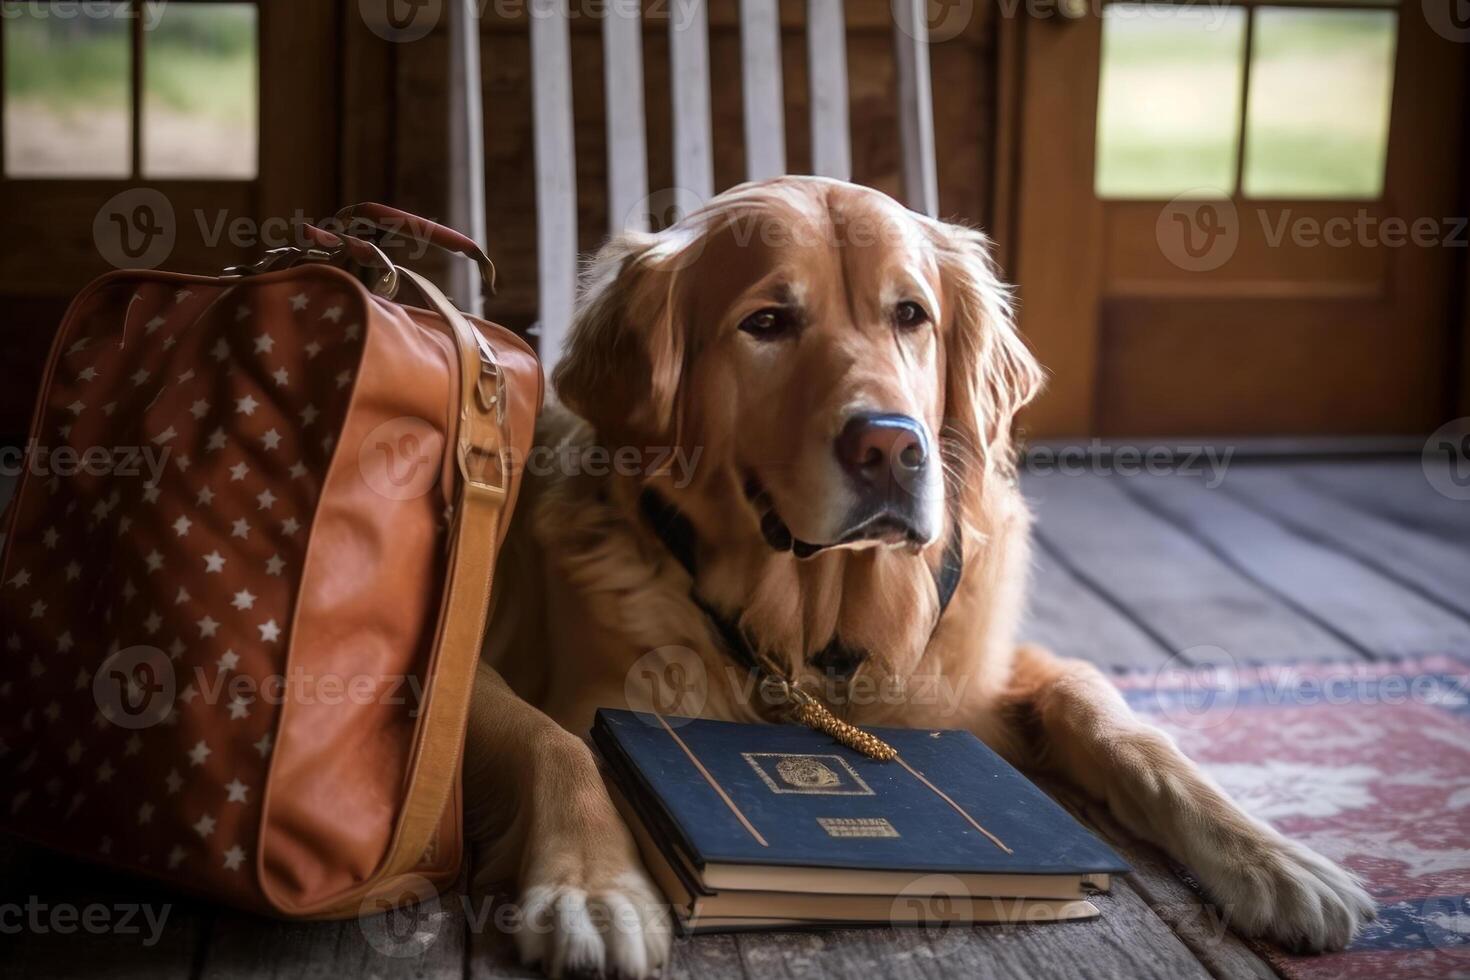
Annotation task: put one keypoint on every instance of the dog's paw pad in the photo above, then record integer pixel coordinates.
(1301, 900)
(621, 930)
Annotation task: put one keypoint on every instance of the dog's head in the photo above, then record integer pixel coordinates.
(848, 364)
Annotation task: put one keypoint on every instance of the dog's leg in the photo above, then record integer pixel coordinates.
(1270, 886)
(537, 813)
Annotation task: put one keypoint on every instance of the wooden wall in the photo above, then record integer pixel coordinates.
(963, 70)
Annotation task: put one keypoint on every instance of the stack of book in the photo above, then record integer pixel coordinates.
(778, 826)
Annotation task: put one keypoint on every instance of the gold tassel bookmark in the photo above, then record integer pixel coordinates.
(812, 713)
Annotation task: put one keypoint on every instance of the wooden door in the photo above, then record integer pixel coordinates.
(1240, 218)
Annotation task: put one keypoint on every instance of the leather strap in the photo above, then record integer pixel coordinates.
(475, 536)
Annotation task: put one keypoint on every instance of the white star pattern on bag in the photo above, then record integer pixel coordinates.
(215, 426)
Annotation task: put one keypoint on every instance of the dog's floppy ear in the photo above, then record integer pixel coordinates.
(991, 373)
(623, 359)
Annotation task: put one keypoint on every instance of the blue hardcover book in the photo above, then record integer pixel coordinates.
(758, 825)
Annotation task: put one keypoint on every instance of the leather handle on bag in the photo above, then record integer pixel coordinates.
(405, 225)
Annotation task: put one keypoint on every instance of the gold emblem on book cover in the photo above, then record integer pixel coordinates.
(818, 775)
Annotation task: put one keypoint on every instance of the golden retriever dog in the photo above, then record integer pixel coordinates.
(846, 373)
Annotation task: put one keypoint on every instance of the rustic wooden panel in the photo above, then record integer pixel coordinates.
(1067, 616)
(627, 133)
(1433, 567)
(915, 106)
(1373, 613)
(826, 45)
(689, 70)
(765, 108)
(556, 176)
(961, 67)
(1168, 580)
(62, 949)
(1396, 490)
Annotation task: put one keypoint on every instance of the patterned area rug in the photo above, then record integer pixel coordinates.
(1368, 764)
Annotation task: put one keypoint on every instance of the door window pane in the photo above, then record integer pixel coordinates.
(67, 79)
(1320, 91)
(200, 92)
(1169, 100)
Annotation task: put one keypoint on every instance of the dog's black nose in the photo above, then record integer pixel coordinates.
(882, 451)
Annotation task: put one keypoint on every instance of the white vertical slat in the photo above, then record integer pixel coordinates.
(556, 177)
(694, 170)
(915, 106)
(627, 150)
(765, 108)
(826, 45)
(466, 151)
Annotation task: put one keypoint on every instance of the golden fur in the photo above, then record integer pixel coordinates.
(588, 597)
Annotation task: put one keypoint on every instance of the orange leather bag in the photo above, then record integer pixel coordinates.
(246, 570)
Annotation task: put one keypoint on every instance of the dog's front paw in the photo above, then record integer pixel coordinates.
(610, 927)
(1290, 894)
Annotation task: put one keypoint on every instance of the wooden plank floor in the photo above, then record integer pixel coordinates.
(1284, 560)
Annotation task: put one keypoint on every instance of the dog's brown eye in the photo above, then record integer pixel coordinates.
(910, 314)
(769, 324)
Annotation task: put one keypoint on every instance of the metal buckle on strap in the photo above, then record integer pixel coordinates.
(483, 462)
